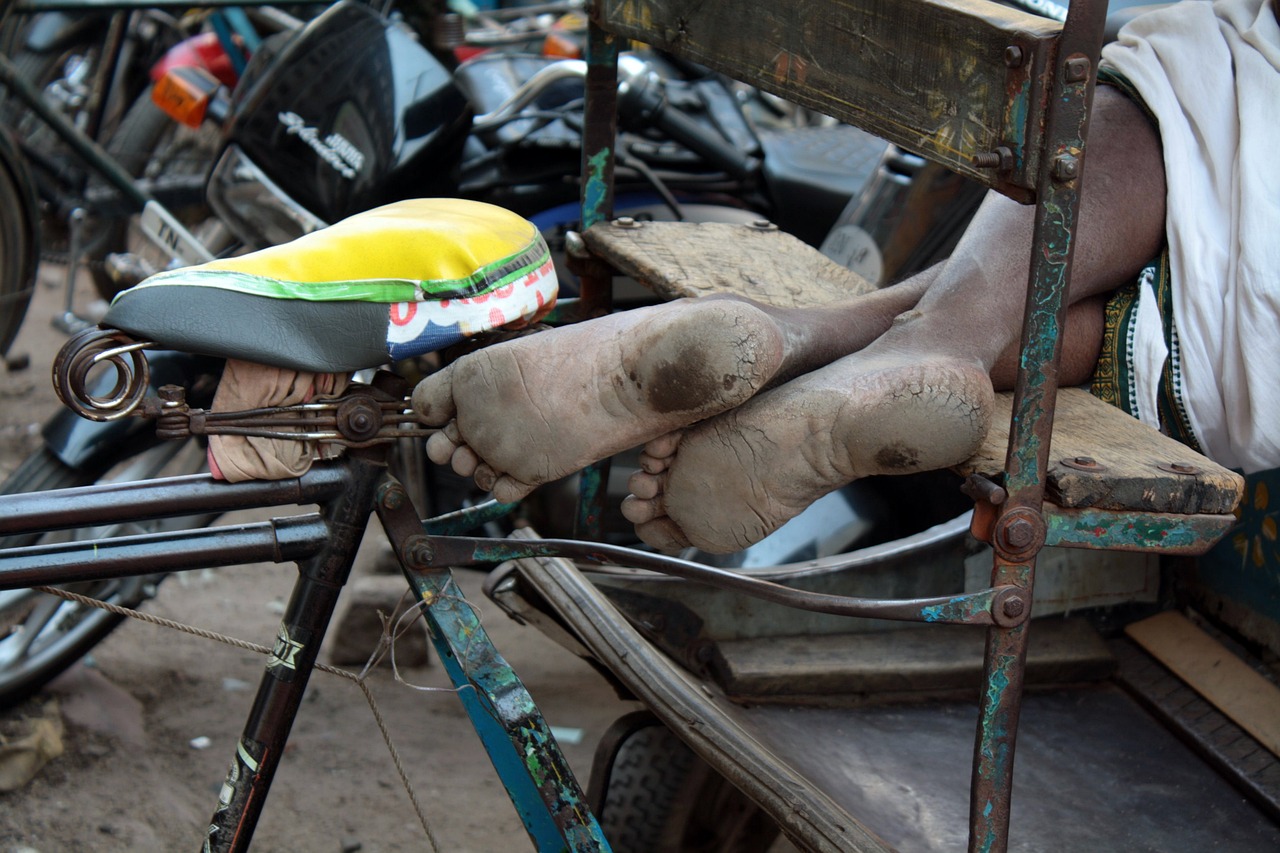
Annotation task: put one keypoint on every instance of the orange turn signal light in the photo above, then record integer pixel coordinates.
(185, 94)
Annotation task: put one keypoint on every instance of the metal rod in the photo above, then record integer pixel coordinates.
(976, 608)
(599, 138)
(1053, 242)
(113, 503)
(302, 629)
(276, 541)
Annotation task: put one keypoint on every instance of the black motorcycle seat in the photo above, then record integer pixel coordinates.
(383, 285)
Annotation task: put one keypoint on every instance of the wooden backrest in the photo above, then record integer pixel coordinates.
(961, 82)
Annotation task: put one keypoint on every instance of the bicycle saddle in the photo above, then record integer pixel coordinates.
(390, 283)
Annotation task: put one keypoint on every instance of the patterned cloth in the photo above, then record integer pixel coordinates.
(1186, 349)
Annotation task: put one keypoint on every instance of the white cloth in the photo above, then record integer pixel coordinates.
(1210, 72)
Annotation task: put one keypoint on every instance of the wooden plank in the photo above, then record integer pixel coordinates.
(929, 75)
(929, 659)
(1128, 455)
(1209, 668)
(678, 259)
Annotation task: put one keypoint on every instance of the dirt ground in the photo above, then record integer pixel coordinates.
(151, 718)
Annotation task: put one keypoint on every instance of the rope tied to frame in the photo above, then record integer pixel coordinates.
(385, 644)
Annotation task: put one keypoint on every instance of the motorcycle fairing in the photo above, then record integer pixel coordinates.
(391, 283)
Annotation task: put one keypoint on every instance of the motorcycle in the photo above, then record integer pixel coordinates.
(306, 139)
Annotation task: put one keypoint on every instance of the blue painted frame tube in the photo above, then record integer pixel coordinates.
(543, 789)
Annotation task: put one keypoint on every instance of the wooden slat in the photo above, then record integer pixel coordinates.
(929, 75)
(930, 659)
(1214, 672)
(678, 259)
(1128, 455)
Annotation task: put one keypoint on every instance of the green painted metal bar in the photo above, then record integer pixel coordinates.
(1135, 531)
(1073, 68)
(520, 744)
(599, 138)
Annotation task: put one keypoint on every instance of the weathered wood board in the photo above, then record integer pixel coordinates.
(918, 660)
(678, 259)
(1214, 672)
(1127, 454)
(934, 76)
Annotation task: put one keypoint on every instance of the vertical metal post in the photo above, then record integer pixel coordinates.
(297, 644)
(1019, 533)
(599, 138)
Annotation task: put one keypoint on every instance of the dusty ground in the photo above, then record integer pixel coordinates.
(130, 779)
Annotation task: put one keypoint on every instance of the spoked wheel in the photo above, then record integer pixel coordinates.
(651, 792)
(40, 634)
(19, 242)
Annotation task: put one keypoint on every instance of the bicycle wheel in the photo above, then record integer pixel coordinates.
(655, 793)
(173, 160)
(19, 242)
(40, 634)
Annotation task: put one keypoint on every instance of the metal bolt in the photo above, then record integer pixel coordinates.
(1077, 69)
(1020, 533)
(1013, 56)
(393, 497)
(1013, 607)
(1066, 167)
(1085, 460)
(1001, 158)
(574, 245)
(172, 395)
(419, 553)
(763, 225)
(1184, 468)
(626, 222)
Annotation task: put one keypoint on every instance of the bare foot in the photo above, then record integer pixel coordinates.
(732, 480)
(529, 411)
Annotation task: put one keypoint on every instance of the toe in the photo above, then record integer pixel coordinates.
(640, 511)
(508, 489)
(662, 534)
(433, 398)
(485, 476)
(464, 461)
(664, 446)
(644, 486)
(440, 449)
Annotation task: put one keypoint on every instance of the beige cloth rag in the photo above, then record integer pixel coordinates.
(246, 385)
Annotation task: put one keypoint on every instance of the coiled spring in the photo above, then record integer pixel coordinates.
(97, 347)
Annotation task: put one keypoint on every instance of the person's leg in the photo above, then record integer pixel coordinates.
(531, 410)
(918, 396)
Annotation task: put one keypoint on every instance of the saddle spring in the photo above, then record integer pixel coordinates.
(363, 416)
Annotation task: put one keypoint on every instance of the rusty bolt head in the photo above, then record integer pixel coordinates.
(1178, 468)
(172, 395)
(1077, 69)
(393, 497)
(1019, 533)
(1013, 607)
(1066, 167)
(625, 222)
(1013, 56)
(419, 553)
